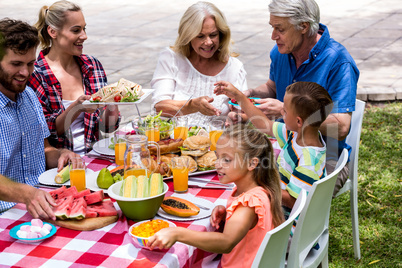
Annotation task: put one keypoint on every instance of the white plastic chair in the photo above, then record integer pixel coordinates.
(272, 250)
(312, 225)
(353, 139)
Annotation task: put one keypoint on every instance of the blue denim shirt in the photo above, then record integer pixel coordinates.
(22, 132)
(329, 65)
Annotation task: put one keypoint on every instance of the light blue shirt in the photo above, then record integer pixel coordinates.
(22, 132)
(329, 65)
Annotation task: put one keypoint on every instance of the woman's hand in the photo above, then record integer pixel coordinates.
(217, 216)
(87, 108)
(163, 239)
(204, 106)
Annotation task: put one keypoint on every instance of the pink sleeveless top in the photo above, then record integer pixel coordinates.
(243, 253)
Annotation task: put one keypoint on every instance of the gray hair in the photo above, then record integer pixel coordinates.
(55, 17)
(298, 11)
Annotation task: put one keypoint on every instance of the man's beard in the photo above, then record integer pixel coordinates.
(6, 80)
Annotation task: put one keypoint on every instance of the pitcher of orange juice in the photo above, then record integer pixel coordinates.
(137, 158)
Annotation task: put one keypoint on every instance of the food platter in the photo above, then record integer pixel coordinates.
(147, 92)
(47, 178)
(203, 212)
(14, 230)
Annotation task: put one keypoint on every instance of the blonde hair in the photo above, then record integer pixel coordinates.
(253, 143)
(191, 25)
(55, 17)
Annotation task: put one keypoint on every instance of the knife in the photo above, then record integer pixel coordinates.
(181, 108)
(102, 157)
(211, 182)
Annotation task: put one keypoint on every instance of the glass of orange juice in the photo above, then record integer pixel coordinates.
(152, 132)
(77, 173)
(180, 127)
(119, 147)
(180, 167)
(216, 127)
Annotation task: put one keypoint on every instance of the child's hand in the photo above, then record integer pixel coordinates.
(163, 239)
(217, 216)
(226, 88)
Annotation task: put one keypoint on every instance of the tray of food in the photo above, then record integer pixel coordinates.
(123, 92)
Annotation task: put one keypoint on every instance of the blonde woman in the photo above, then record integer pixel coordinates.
(200, 57)
(64, 78)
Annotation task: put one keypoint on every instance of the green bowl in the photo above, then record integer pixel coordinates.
(137, 208)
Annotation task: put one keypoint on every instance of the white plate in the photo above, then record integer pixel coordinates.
(14, 230)
(48, 176)
(203, 212)
(147, 92)
(91, 180)
(101, 147)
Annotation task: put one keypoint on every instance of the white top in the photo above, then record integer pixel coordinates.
(175, 78)
(77, 130)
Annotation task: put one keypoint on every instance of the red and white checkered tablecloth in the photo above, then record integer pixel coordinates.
(110, 246)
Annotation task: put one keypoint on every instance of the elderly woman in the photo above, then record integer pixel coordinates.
(304, 51)
(200, 57)
(64, 78)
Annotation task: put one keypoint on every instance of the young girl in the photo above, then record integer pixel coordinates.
(302, 158)
(245, 157)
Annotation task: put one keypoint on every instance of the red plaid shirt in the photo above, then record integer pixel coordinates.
(48, 91)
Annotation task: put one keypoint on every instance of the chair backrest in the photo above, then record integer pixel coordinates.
(272, 250)
(313, 220)
(353, 138)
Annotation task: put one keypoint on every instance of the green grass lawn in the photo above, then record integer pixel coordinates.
(379, 195)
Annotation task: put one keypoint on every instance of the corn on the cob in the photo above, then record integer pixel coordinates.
(155, 184)
(142, 186)
(63, 175)
(129, 187)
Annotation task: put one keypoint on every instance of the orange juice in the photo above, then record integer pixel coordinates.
(180, 179)
(152, 134)
(77, 179)
(119, 149)
(180, 132)
(136, 172)
(214, 137)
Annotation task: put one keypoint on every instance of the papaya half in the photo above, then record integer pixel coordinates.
(118, 169)
(179, 207)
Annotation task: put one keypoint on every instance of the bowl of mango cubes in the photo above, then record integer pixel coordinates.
(143, 230)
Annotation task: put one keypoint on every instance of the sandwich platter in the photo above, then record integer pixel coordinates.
(147, 92)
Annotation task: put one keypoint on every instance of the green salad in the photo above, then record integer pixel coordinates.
(165, 127)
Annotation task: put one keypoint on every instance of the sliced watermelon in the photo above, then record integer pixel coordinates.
(94, 197)
(62, 211)
(106, 208)
(78, 205)
(82, 193)
(91, 213)
(63, 192)
(78, 209)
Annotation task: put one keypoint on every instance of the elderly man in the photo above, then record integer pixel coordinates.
(304, 51)
(24, 150)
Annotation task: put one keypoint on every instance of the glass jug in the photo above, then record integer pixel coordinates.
(137, 158)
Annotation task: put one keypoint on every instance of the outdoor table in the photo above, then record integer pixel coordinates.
(110, 246)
